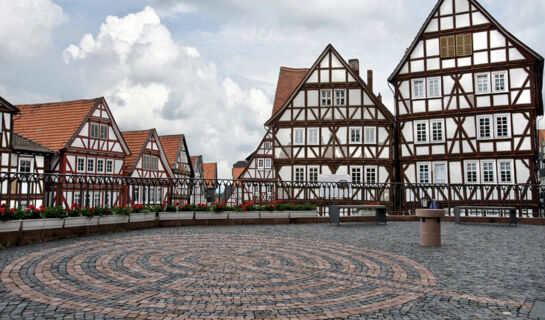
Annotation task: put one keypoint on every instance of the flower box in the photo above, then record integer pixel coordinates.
(275, 214)
(33, 224)
(115, 219)
(142, 217)
(10, 226)
(53, 223)
(303, 214)
(211, 215)
(80, 221)
(244, 215)
(185, 215)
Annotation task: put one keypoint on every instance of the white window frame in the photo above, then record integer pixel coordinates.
(260, 163)
(358, 141)
(359, 171)
(91, 126)
(295, 131)
(313, 134)
(89, 161)
(311, 172)
(483, 162)
(31, 160)
(322, 104)
(477, 172)
(103, 166)
(435, 180)
(102, 126)
(96, 199)
(112, 165)
(493, 82)
(266, 145)
(295, 169)
(429, 92)
(77, 197)
(442, 122)
(427, 135)
(511, 173)
(84, 164)
(488, 87)
(413, 87)
(365, 172)
(154, 163)
(366, 139)
(491, 120)
(268, 163)
(343, 98)
(428, 164)
(496, 135)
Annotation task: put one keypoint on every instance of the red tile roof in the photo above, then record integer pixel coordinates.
(209, 170)
(171, 145)
(53, 124)
(541, 135)
(237, 172)
(288, 80)
(135, 141)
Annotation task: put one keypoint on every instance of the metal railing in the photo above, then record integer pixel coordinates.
(21, 189)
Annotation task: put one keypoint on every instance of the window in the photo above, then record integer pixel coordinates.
(81, 165)
(268, 163)
(267, 145)
(103, 131)
(419, 89)
(437, 131)
(77, 198)
(159, 194)
(421, 132)
(355, 135)
(94, 130)
(434, 87)
(154, 163)
(100, 165)
(464, 45)
(299, 174)
(488, 171)
(505, 171)
(499, 79)
(96, 201)
(150, 163)
(25, 165)
(371, 135)
(260, 163)
(313, 136)
(485, 127)
(356, 175)
(90, 165)
(109, 166)
(472, 175)
(424, 173)
(152, 194)
(313, 174)
(370, 175)
(137, 194)
(448, 47)
(106, 199)
(502, 126)
(340, 97)
(326, 98)
(482, 83)
(299, 136)
(440, 173)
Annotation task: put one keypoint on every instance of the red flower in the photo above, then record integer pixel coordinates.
(30, 206)
(223, 203)
(11, 210)
(2, 211)
(107, 210)
(4, 205)
(36, 210)
(92, 209)
(177, 204)
(187, 204)
(219, 206)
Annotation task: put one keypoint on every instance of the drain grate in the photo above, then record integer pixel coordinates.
(538, 310)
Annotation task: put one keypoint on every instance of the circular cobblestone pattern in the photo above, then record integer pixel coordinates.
(204, 275)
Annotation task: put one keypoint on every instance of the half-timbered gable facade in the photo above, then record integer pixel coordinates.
(86, 141)
(147, 160)
(21, 155)
(210, 175)
(177, 154)
(467, 94)
(327, 122)
(197, 193)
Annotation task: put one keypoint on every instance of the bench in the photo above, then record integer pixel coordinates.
(512, 212)
(334, 212)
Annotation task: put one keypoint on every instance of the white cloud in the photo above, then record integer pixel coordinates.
(26, 26)
(149, 81)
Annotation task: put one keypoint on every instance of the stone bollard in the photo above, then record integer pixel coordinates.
(430, 226)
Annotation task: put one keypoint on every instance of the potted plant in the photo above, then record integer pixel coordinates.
(216, 211)
(245, 211)
(9, 222)
(142, 214)
(34, 219)
(54, 217)
(278, 210)
(120, 215)
(303, 211)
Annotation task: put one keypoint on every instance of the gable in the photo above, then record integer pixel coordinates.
(261, 152)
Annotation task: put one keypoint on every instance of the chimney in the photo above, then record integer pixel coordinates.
(354, 65)
(379, 97)
(370, 79)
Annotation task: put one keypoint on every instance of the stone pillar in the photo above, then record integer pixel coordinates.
(430, 226)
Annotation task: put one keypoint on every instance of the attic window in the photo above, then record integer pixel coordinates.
(448, 47)
(456, 46)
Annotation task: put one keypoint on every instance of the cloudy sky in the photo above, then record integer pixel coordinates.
(206, 68)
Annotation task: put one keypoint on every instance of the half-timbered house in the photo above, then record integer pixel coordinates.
(86, 141)
(22, 156)
(197, 192)
(147, 160)
(210, 175)
(467, 94)
(177, 153)
(328, 124)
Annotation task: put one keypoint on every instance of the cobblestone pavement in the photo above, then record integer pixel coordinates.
(356, 271)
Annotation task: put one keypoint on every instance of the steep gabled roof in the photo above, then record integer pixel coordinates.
(210, 171)
(329, 48)
(136, 141)
(7, 107)
(288, 80)
(172, 145)
(20, 143)
(195, 162)
(53, 125)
